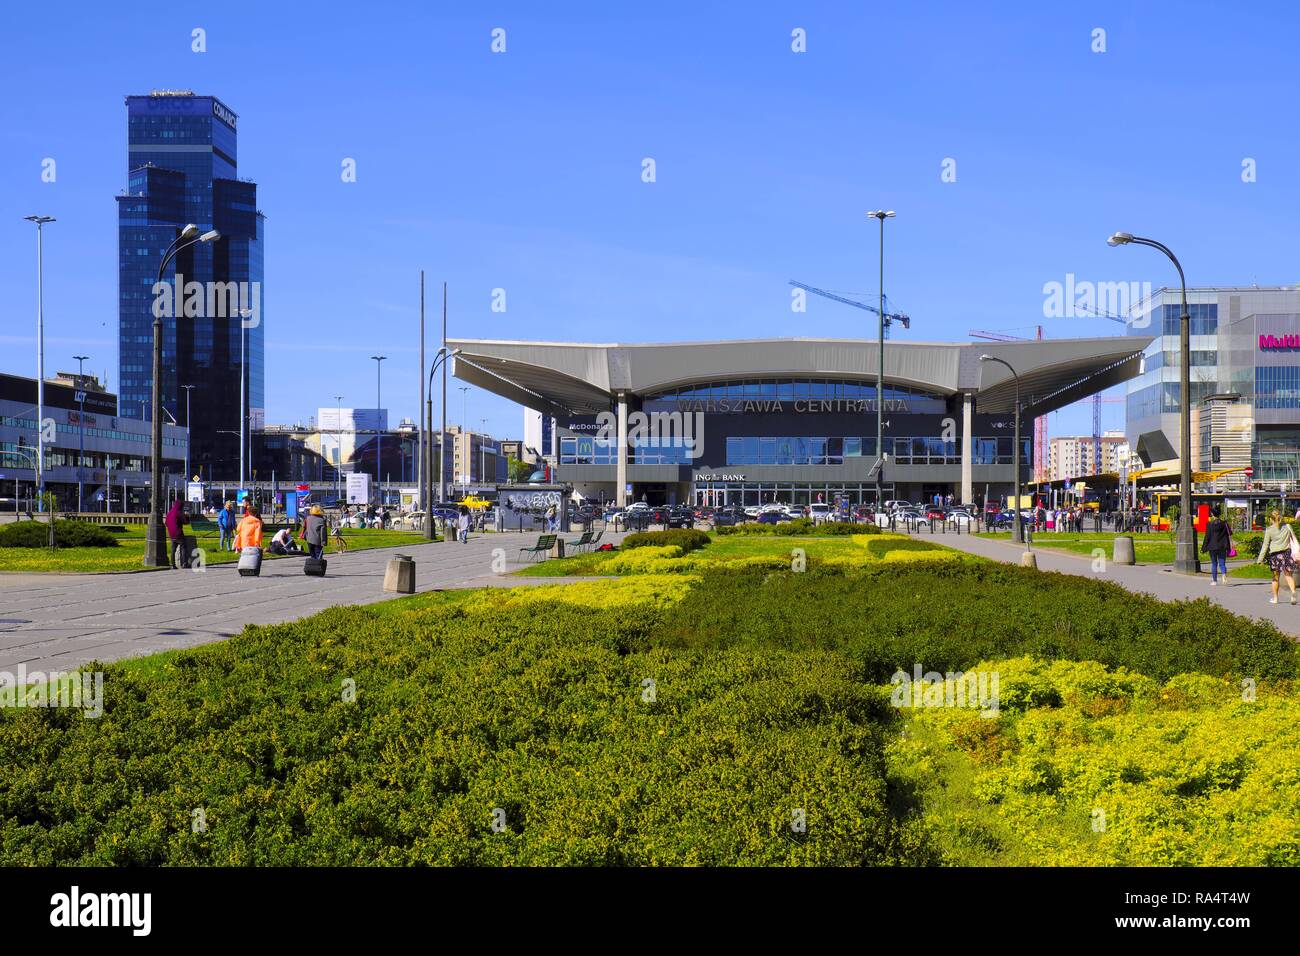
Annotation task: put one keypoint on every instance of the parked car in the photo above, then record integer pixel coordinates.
(820, 512)
(774, 516)
(729, 516)
(680, 517)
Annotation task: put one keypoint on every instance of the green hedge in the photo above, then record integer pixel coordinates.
(688, 539)
(802, 527)
(67, 534)
(951, 616)
(540, 714)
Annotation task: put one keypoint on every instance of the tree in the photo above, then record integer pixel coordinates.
(519, 471)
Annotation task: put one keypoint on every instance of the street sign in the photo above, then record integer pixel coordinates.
(1248, 472)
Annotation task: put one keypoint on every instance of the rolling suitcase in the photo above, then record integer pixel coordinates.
(315, 567)
(250, 562)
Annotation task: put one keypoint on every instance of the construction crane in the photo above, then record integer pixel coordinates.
(888, 317)
(1040, 423)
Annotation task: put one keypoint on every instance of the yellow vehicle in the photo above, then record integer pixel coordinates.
(475, 503)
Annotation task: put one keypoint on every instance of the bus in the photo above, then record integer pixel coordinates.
(1255, 504)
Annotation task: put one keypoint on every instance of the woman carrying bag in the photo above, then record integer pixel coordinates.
(1282, 549)
(1217, 543)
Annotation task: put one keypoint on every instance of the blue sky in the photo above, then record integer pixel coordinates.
(522, 171)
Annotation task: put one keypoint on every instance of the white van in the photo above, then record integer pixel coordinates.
(819, 512)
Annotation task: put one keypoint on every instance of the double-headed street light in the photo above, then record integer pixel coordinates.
(440, 357)
(881, 215)
(1017, 528)
(1185, 560)
(81, 425)
(155, 549)
(40, 367)
(379, 432)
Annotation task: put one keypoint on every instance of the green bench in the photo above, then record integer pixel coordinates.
(543, 546)
(582, 542)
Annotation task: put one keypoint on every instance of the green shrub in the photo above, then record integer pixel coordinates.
(688, 539)
(800, 526)
(542, 715)
(67, 534)
(950, 615)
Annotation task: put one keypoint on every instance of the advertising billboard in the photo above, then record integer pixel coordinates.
(358, 488)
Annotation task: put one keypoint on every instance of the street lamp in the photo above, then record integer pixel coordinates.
(464, 394)
(338, 450)
(1185, 559)
(155, 549)
(379, 432)
(1017, 530)
(881, 215)
(40, 366)
(439, 358)
(81, 425)
(188, 390)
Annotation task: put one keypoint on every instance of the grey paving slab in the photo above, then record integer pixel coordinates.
(62, 621)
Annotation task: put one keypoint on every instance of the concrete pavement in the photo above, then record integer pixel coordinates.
(59, 621)
(1245, 596)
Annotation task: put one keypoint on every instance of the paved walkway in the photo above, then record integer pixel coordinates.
(1245, 596)
(59, 621)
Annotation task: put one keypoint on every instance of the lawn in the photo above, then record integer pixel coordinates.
(130, 551)
(687, 716)
(1155, 548)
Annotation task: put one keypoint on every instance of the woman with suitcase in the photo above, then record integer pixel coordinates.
(315, 535)
(248, 541)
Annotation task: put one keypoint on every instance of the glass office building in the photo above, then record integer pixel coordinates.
(1245, 344)
(182, 152)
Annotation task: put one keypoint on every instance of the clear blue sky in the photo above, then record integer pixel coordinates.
(522, 170)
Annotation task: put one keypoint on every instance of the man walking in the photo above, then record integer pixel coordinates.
(226, 525)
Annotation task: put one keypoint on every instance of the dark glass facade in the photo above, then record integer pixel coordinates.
(182, 168)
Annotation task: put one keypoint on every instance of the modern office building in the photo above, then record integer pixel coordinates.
(1245, 351)
(1075, 456)
(478, 461)
(182, 168)
(792, 420)
(116, 448)
(539, 433)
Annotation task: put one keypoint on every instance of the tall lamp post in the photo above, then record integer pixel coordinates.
(379, 432)
(482, 453)
(338, 449)
(464, 396)
(881, 215)
(188, 390)
(40, 365)
(1185, 560)
(81, 426)
(439, 358)
(155, 548)
(1017, 528)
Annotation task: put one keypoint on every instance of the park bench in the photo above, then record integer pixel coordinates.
(582, 542)
(543, 546)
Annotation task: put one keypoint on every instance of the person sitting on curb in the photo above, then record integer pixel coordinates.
(282, 543)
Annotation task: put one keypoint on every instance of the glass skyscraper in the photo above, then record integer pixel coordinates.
(182, 168)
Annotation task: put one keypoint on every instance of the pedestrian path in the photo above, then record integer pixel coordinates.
(1245, 596)
(60, 621)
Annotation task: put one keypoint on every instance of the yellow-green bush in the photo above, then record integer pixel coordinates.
(1090, 766)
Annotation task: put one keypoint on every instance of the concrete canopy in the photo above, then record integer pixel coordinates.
(570, 378)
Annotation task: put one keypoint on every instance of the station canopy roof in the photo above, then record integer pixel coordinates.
(566, 378)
